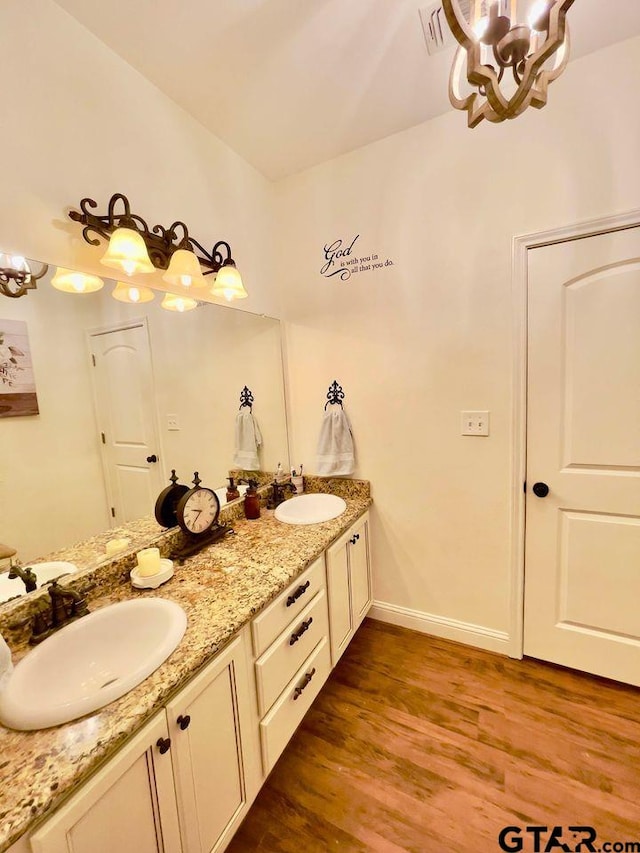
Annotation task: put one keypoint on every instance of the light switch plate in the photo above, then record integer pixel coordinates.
(172, 422)
(474, 423)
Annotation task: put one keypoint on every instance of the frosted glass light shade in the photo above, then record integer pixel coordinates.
(131, 293)
(127, 253)
(173, 302)
(228, 283)
(184, 270)
(72, 281)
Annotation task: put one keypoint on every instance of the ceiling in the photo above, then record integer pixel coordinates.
(292, 83)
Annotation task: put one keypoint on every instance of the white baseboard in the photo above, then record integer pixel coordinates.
(441, 626)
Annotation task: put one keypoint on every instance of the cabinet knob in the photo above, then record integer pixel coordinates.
(298, 691)
(163, 744)
(183, 721)
(152, 458)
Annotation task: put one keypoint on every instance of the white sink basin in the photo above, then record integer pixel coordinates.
(91, 662)
(310, 509)
(10, 587)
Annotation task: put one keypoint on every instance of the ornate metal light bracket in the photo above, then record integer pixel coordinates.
(161, 242)
(515, 47)
(15, 283)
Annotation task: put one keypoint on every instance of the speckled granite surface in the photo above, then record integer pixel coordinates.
(220, 589)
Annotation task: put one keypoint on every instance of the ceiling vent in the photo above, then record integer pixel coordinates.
(436, 31)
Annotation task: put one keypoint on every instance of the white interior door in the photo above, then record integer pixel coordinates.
(126, 409)
(582, 575)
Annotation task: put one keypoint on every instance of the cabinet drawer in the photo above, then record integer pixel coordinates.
(277, 616)
(286, 654)
(285, 716)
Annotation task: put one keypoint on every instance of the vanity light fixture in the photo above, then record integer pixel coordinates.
(72, 281)
(184, 270)
(228, 282)
(527, 38)
(132, 293)
(127, 253)
(173, 302)
(16, 276)
(160, 245)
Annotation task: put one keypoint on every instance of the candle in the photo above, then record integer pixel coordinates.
(113, 546)
(148, 562)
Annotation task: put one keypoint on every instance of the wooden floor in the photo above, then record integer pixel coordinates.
(424, 745)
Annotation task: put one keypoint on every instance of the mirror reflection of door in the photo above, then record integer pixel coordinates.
(126, 413)
(582, 584)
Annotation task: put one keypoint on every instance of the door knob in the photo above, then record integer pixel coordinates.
(152, 458)
(540, 490)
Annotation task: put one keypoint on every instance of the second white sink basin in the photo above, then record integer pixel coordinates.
(91, 662)
(310, 509)
(10, 587)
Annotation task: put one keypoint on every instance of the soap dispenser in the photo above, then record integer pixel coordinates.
(252, 500)
(232, 490)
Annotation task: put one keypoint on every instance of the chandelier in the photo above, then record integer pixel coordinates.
(510, 51)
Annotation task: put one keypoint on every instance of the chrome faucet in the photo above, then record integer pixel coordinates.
(66, 605)
(27, 576)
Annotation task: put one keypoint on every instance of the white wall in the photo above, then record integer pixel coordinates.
(78, 121)
(416, 343)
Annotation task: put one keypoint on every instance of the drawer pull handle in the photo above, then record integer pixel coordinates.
(183, 721)
(296, 595)
(298, 691)
(301, 630)
(163, 744)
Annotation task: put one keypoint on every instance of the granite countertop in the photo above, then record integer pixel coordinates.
(221, 589)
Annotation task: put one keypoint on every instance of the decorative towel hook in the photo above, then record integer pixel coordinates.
(335, 394)
(246, 398)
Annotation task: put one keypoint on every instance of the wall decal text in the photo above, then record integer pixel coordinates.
(339, 260)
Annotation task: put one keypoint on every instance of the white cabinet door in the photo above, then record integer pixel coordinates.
(348, 585)
(214, 756)
(360, 570)
(339, 596)
(128, 806)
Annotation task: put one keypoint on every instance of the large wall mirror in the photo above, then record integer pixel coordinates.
(114, 385)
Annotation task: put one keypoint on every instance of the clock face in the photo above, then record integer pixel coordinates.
(198, 511)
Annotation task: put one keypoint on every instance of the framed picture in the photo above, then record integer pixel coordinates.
(17, 383)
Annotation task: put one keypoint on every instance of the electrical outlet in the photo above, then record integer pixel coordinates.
(172, 422)
(474, 423)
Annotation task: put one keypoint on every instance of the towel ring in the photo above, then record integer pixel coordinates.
(246, 399)
(335, 394)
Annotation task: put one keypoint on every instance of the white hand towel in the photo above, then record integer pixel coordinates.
(248, 440)
(6, 664)
(335, 445)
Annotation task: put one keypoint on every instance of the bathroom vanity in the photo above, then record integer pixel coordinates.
(175, 764)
